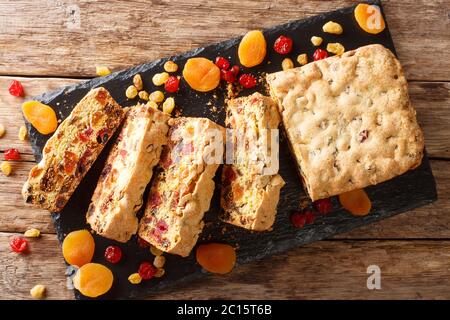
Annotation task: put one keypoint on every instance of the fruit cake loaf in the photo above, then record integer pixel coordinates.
(72, 149)
(349, 120)
(249, 194)
(128, 170)
(182, 191)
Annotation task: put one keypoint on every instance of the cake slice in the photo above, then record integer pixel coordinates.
(128, 170)
(349, 120)
(250, 194)
(182, 191)
(73, 148)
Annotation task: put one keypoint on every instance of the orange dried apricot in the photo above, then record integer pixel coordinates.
(201, 74)
(369, 18)
(78, 247)
(356, 201)
(93, 280)
(41, 116)
(216, 257)
(252, 49)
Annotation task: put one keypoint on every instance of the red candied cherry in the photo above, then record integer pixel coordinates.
(142, 243)
(298, 219)
(18, 244)
(309, 217)
(247, 80)
(323, 206)
(235, 69)
(12, 154)
(113, 254)
(222, 63)
(16, 89)
(283, 45)
(227, 75)
(172, 84)
(146, 270)
(320, 54)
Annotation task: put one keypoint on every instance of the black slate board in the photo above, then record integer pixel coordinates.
(413, 189)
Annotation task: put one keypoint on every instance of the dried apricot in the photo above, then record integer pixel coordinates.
(252, 49)
(201, 74)
(216, 257)
(78, 247)
(93, 280)
(369, 18)
(41, 116)
(356, 201)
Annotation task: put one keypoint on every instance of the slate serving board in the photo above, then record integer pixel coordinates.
(413, 189)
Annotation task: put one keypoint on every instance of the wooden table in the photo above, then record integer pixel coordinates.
(58, 42)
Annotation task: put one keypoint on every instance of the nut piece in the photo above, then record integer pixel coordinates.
(160, 78)
(143, 95)
(159, 261)
(159, 273)
(131, 92)
(335, 48)
(38, 291)
(6, 168)
(170, 66)
(152, 104)
(135, 278)
(137, 81)
(287, 64)
(316, 41)
(155, 251)
(156, 96)
(332, 27)
(302, 59)
(102, 71)
(2, 130)
(23, 133)
(32, 233)
(168, 105)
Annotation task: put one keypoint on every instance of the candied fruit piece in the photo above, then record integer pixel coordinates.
(369, 18)
(78, 247)
(252, 49)
(216, 257)
(201, 74)
(357, 202)
(41, 116)
(93, 280)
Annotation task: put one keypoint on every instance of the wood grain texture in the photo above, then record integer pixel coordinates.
(323, 270)
(66, 37)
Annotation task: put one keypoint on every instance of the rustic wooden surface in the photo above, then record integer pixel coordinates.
(46, 48)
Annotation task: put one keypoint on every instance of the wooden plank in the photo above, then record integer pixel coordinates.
(409, 270)
(431, 100)
(57, 38)
(432, 221)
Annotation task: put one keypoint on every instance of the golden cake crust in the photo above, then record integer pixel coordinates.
(127, 171)
(349, 120)
(71, 151)
(181, 193)
(249, 196)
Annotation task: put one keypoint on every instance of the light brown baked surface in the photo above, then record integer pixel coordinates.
(349, 120)
(181, 193)
(249, 195)
(70, 152)
(127, 171)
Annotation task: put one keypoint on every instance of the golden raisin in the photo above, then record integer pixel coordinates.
(160, 78)
(152, 104)
(135, 278)
(252, 49)
(131, 92)
(78, 247)
(102, 71)
(159, 272)
(155, 251)
(332, 27)
(93, 280)
(316, 41)
(216, 257)
(32, 233)
(23, 133)
(156, 96)
(356, 201)
(201, 74)
(302, 59)
(168, 105)
(41, 116)
(6, 168)
(137, 82)
(159, 261)
(2, 130)
(143, 95)
(287, 64)
(170, 66)
(38, 291)
(335, 48)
